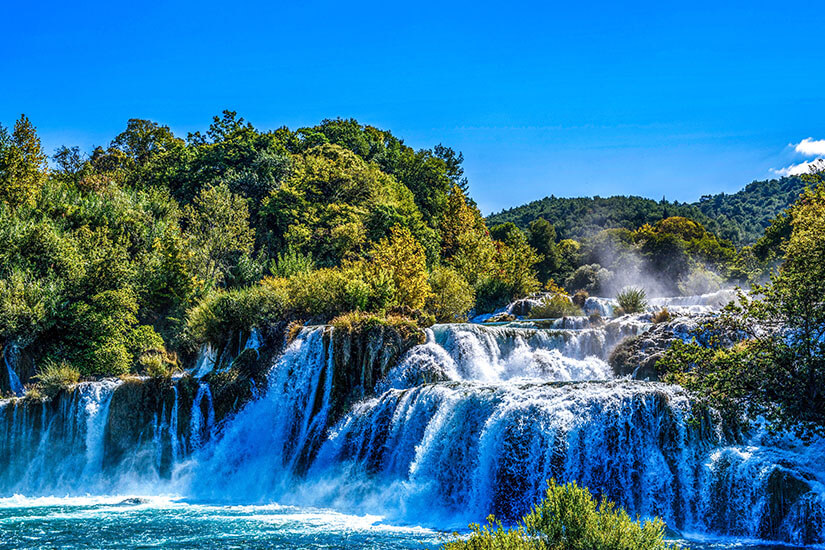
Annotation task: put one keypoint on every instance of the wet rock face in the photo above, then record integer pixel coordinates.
(362, 357)
(136, 406)
(636, 356)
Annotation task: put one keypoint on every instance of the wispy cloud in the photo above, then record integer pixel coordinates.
(801, 168)
(811, 147)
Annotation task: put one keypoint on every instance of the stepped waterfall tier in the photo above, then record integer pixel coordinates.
(472, 420)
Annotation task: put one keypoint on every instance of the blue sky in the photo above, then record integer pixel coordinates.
(543, 98)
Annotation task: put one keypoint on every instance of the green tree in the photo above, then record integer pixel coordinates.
(22, 163)
(144, 139)
(777, 369)
(452, 297)
(541, 235)
(218, 225)
(402, 257)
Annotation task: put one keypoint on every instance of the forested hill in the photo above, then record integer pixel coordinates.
(740, 217)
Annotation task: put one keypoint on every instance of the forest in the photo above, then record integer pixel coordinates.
(740, 217)
(130, 256)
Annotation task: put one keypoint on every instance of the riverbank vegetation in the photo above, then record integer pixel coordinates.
(155, 244)
(765, 355)
(568, 518)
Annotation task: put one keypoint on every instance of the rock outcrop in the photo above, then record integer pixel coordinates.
(637, 356)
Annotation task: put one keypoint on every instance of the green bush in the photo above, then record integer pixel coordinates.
(568, 518)
(452, 297)
(555, 306)
(632, 300)
(491, 293)
(291, 262)
(54, 377)
(222, 313)
(158, 363)
(580, 297)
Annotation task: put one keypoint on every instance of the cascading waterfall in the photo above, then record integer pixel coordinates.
(49, 447)
(201, 423)
(9, 358)
(473, 421)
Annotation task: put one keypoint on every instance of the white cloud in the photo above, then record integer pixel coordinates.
(811, 147)
(802, 168)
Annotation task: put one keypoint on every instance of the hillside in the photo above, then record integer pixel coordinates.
(740, 217)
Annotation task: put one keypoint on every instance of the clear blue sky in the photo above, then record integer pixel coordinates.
(568, 98)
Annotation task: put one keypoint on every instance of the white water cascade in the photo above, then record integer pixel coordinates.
(473, 421)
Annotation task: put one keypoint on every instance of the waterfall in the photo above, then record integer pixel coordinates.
(14, 381)
(472, 421)
(273, 431)
(46, 448)
(200, 423)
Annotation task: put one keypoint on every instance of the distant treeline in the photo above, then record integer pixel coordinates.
(741, 217)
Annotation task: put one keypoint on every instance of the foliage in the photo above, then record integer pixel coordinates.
(632, 300)
(401, 257)
(541, 235)
(218, 224)
(661, 316)
(580, 297)
(158, 363)
(777, 366)
(591, 279)
(554, 306)
(357, 321)
(739, 217)
(452, 297)
(568, 518)
(465, 242)
(22, 163)
(700, 281)
(53, 377)
(291, 262)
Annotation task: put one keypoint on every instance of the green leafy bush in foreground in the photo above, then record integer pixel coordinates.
(568, 518)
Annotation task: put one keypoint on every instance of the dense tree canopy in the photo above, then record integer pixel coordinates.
(155, 243)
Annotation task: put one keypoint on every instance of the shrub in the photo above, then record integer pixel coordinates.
(291, 262)
(632, 299)
(567, 518)
(700, 281)
(553, 306)
(54, 377)
(223, 312)
(491, 293)
(662, 316)
(596, 319)
(580, 297)
(158, 363)
(592, 278)
(357, 322)
(452, 297)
